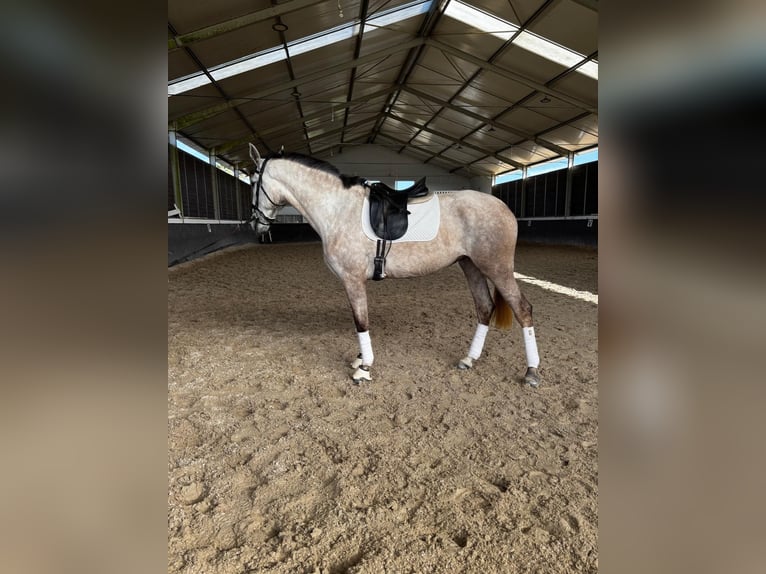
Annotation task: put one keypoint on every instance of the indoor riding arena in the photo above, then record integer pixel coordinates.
(278, 461)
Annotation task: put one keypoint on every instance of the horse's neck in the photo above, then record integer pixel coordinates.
(320, 198)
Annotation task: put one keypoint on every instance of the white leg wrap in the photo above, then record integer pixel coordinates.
(478, 341)
(365, 346)
(530, 346)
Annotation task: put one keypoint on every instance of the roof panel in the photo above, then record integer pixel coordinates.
(503, 89)
(397, 129)
(193, 101)
(180, 64)
(515, 11)
(505, 10)
(234, 45)
(456, 130)
(428, 140)
(481, 102)
(317, 19)
(528, 152)
(273, 106)
(333, 89)
(460, 155)
(571, 137)
(529, 65)
(527, 120)
(467, 123)
(216, 130)
(571, 24)
(589, 124)
(187, 16)
(417, 115)
(280, 117)
(254, 81)
(382, 72)
(465, 38)
(338, 53)
(424, 76)
(550, 108)
(490, 140)
(447, 65)
(578, 85)
(418, 153)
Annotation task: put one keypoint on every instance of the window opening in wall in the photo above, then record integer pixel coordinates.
(586, 156)
(219, 164)
(545, 167)
(509, 176)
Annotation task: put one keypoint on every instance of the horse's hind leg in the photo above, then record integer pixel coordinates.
(510, 291)
(477, 283)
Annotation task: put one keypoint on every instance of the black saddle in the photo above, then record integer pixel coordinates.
(388, 216)
(388, 208)
(418, 189)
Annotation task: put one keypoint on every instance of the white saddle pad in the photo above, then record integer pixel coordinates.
(422, 225)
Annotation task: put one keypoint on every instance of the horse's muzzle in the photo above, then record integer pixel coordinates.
(260, 228)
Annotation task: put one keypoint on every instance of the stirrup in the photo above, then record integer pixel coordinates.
(380, 269)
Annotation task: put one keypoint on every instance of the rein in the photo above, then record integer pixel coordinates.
(257, 214)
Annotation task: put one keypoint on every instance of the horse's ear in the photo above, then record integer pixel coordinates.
(254, 155)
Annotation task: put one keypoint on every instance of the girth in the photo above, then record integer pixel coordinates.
(388, 217)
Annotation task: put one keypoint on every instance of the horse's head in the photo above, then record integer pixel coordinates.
(264, 207)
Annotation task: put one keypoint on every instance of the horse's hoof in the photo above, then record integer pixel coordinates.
(532, 378)
(356, 363)
(362, 373)
(465, 364)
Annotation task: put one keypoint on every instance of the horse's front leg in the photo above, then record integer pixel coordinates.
(356, 290)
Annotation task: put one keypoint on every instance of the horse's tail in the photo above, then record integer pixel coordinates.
(502, 316)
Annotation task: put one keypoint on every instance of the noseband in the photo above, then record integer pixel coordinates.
(257, 214)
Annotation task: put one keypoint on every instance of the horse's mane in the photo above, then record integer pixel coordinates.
(308, 161)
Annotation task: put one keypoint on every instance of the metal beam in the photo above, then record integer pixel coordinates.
(487, 121)
(511, 75)
(192, 118)
(357, 51)
(426, 27)
(181, 40)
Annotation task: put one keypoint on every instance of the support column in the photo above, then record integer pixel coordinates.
(214, 175)
(523, 210)
(237, 191)
(175, 171)
(568, 191)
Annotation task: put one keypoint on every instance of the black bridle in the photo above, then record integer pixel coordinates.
(257, 214)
